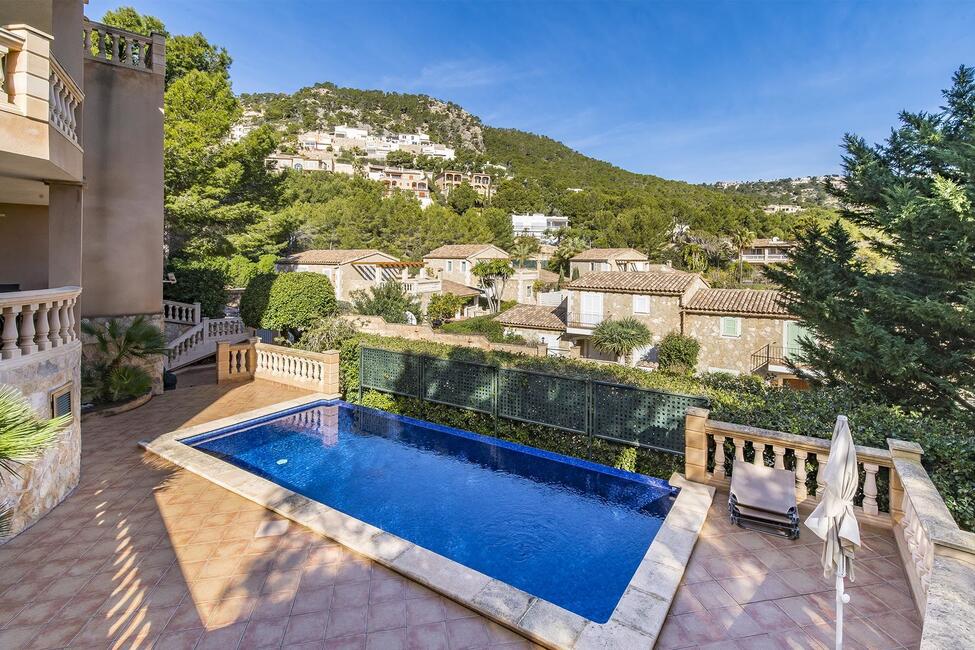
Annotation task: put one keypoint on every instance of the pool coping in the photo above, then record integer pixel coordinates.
(635, 623)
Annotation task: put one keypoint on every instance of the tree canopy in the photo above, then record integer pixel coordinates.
(906, 333)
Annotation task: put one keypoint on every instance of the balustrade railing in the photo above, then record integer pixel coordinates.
(316, 371)
(36, 321)
(201, 340)
(120, 47)
(64, 100)
(422, 285)
(713, 447)
(183, 313)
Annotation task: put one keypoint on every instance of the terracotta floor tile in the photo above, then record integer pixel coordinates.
(672, 636)
(264, 634)
(754, 588)
(420, 611)
(223, 638)
(305, 628)
(346, 621)
(428, 636)
(184, 640)
(57, 634)
(318, 600)
(466, 633)
(386, 615)
(18, 637)
(711, 595)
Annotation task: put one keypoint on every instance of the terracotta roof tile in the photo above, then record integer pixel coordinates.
(748, 302)
(663, 282)
(601, 254)
(337, 256)
(458, 289)
(457, 251)
(534, 316)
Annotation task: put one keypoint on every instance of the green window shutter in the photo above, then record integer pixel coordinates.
(730, 326)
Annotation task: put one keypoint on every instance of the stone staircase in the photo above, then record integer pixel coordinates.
(201, 338)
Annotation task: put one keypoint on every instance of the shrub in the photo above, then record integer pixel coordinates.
(287, 302)
(678, 353)
(110, 376)
(443, 306)
(326, 334)
(389, 301)
(202, 281)
(626, 460)
(484, 326)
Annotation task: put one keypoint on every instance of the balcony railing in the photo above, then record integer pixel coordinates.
(65, 99)
(771, 257)
(35, 321)
(775, 355)
(585, 319)
(123, 48)
(422, 285)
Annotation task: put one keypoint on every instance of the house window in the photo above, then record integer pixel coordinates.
(730, 326)
(641, 304)
(450, 265)
(463, 266)
(592, 266)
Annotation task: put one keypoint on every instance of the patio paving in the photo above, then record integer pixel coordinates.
(751, 591)
(145, 555)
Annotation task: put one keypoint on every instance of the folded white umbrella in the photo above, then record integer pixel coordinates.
(834, 520)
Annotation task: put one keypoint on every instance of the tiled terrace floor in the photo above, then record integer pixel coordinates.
(145, 555)
(747, 590)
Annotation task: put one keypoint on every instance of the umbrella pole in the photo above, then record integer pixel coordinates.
(841, 597)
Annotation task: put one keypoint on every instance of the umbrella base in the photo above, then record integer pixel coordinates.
(782, 524)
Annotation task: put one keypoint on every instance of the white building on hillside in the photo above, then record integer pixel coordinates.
(350, 132)
(438, 151)
(413, 138)
(539, 226)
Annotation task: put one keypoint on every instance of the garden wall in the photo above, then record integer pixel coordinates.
(377, 325)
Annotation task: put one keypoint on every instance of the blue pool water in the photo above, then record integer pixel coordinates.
(565, 530)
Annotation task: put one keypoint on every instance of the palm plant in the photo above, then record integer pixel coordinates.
(493, 275)
(741, 238)
(621, 337)
(568, 248)
(111, 376)
(523, 249)
(23, 436)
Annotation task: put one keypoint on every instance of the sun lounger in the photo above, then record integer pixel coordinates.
(764, 498)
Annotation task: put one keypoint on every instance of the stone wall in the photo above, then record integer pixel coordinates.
(376, 325)
(154, 366)
(44, 483)
(732, 354)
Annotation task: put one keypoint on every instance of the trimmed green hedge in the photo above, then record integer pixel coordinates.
(949, 447)
(287, 302)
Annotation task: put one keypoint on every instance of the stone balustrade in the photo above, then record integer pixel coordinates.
(422, 285)
(316, 371)
(183, 313)
(35, 321)
(201, 340)
(123, 48)
(712, 446)
(64, 102)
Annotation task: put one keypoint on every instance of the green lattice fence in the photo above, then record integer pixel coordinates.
(625, 414)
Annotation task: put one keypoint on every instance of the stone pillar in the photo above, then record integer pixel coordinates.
(908, 451)
(696, 445)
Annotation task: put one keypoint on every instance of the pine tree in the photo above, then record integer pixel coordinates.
(907, 334)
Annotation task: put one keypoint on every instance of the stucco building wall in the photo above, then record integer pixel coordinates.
(26, 263)
(123, 166)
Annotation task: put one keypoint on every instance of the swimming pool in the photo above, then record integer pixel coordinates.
(562, 529)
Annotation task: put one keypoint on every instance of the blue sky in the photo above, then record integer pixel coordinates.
(697, 91)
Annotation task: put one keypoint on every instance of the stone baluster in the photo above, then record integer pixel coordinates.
(43, 327)
(26, 342)
(739, 449)
(719, 469)
(870, 489)
(759, 459)
(8, 338)
(779, 457)
(54, 318)
(802, 491)
(72, 302)
(821, 460)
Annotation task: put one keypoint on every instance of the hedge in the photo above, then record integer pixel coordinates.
(287, 302)
(203, 282)
(949, 448)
